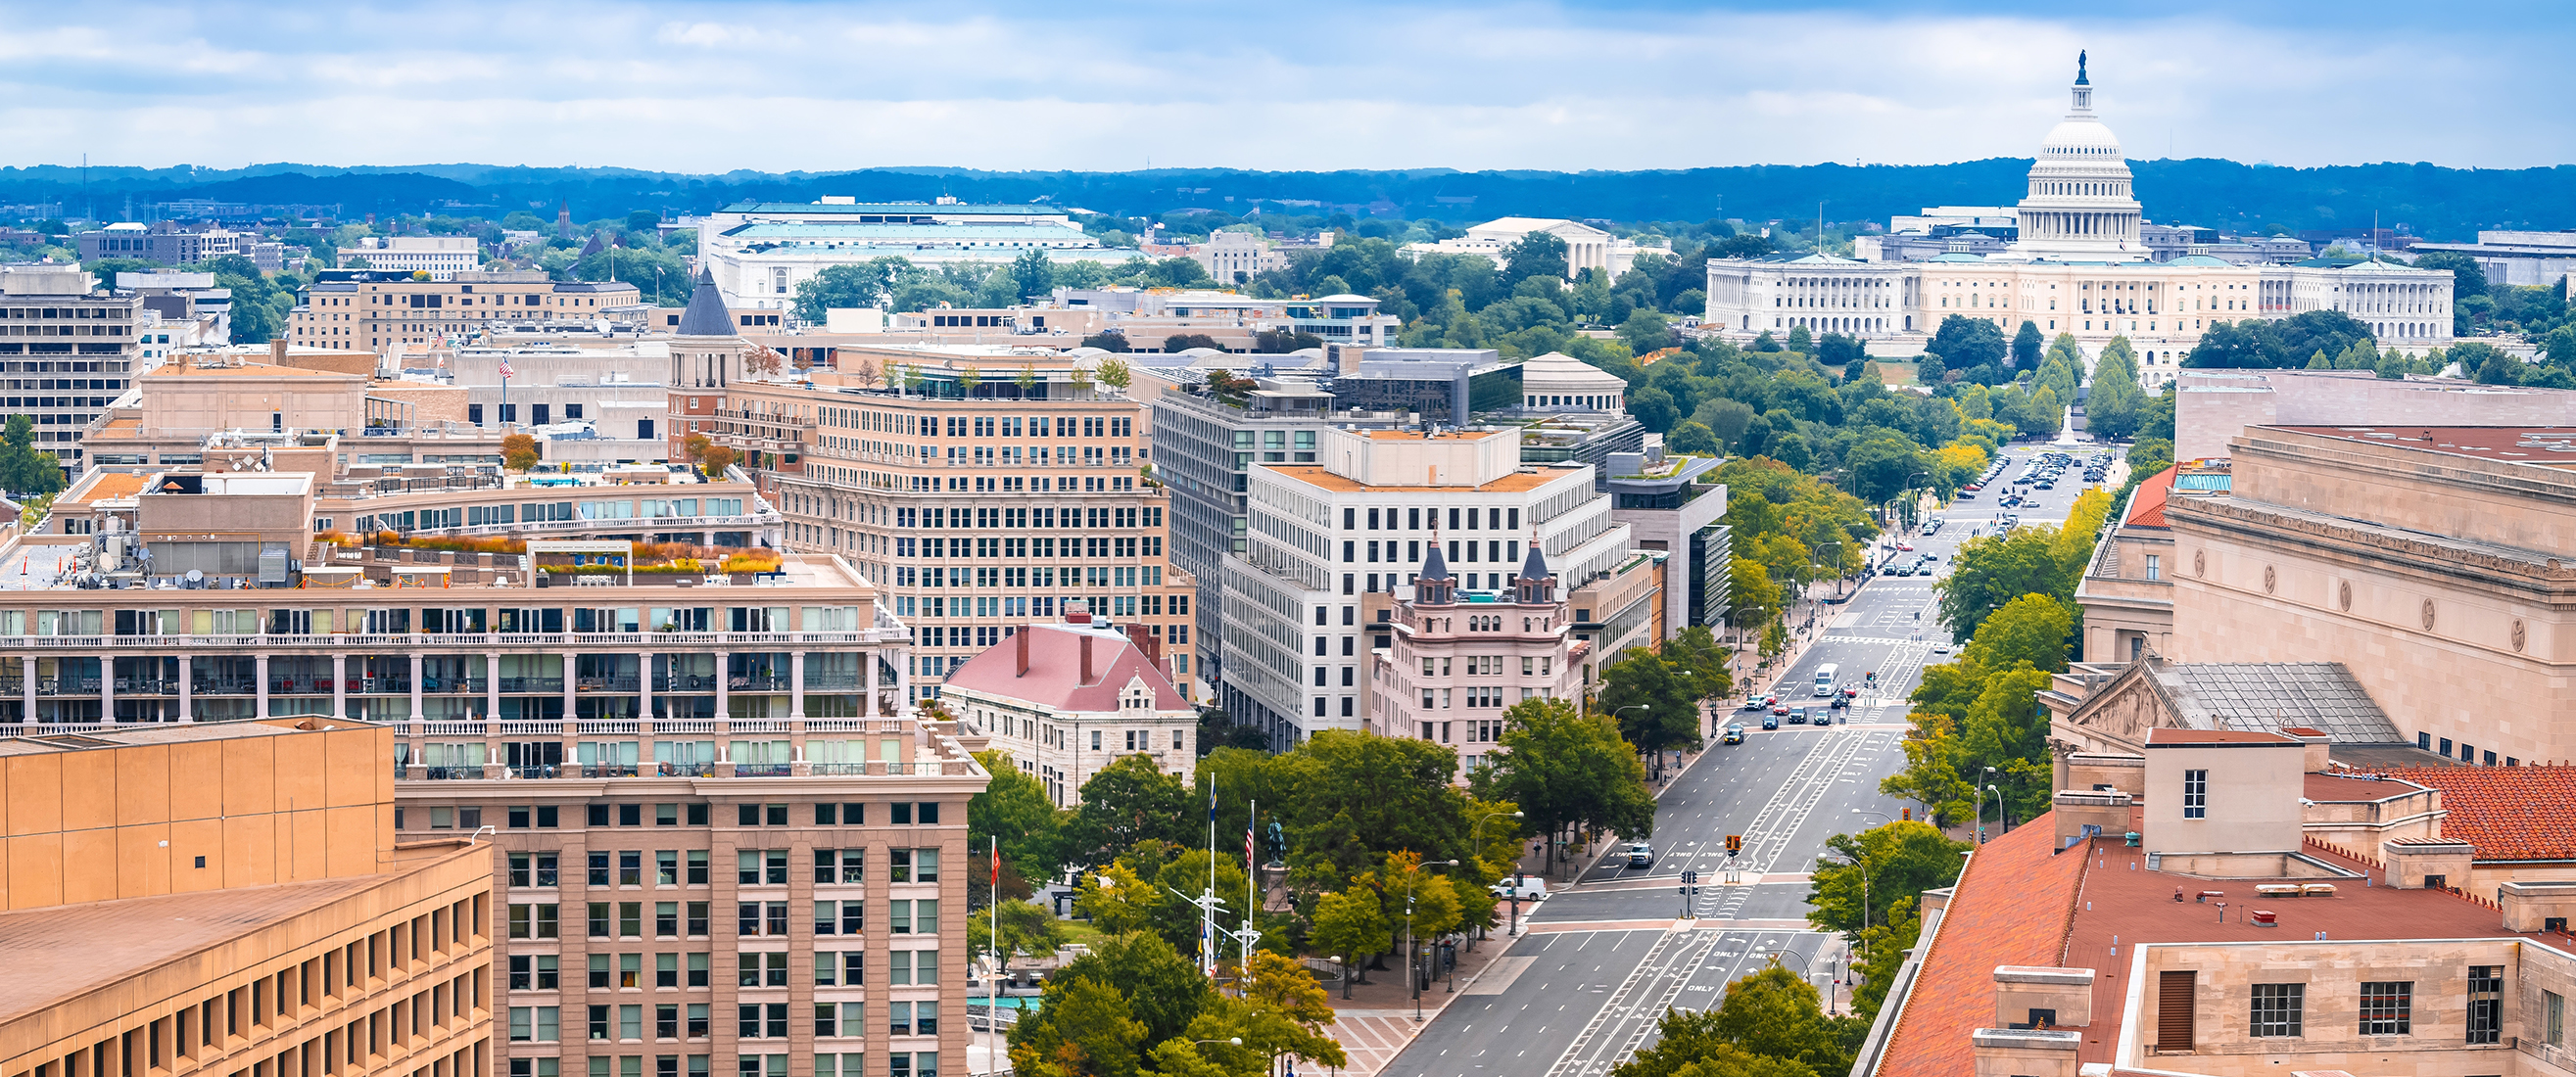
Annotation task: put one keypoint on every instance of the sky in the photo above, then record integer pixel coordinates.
(1316, 85)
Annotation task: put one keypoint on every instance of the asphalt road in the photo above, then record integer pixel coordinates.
(1601, 962)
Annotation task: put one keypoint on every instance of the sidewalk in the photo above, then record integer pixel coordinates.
(1376, 1023)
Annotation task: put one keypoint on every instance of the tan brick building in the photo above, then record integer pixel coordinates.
(232, 899)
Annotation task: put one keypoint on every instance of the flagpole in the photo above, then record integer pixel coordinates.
(1207, 911)
(1250, 887)
(993, 997)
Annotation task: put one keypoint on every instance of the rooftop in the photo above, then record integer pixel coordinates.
(2016, 904)
(2268, 697)
(2508, 813)
(61, 952)
(2547, 446)
(1316, 476)
(2178, 738)
(2336, 788)
(1055, 657)
(2147, 509)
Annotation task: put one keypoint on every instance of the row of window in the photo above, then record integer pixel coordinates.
(1020, 519)
(691, 919)
(689, 867)
(2387, 1008)
(549, 816)
(840, 1064)
(1491, 519)
(615, 972)
(274, 1000)
(753, 1021)
(1018, 549)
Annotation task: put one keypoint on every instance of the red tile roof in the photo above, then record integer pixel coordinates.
(1055, 678)
(2018, 905)
(2508, 813)
(2330, 787)
(2147, 509)
(2165, 735)
(2010, 908)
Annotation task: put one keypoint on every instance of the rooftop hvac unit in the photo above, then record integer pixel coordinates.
(272, 566)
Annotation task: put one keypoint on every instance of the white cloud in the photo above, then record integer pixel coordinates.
(712, 86)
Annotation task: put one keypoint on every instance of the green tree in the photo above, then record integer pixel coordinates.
(1878, 866)
(862, 284)
(1015, 808)
(1757, 597)
(1655, 705)
(1694, 437)
(25, 471)
(1776, 1012)
(2026, 346)
(1537, 254)
(1033, 273)
(1802, 341)
(1964, 342)
(1118, 899)
(1129, 801)
(1654, 408)
(1026, 929)
(1646, 331)
(1359, 797)
(1567, 769)
(1881, 953)
(1689, 1044)
(1931, 773)
(1351, 922)
(1085, 1029)
(2030, 629)
(1696, 654)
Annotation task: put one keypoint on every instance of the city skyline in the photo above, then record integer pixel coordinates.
(671, 86)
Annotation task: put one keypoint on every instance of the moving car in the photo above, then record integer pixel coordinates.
(1779, 709)
(1734, 734)
(1759, 703)
(1797, 716)
(1770, 721)
(1840, 702)
(1941, 648)
(1522, 887)
(1641, 855)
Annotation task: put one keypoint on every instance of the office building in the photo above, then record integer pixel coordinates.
(2517, 257)
(1460, 658)
(1586, 247)
(234, 898)
(438, 256)
(1148, 318)
(1067, 698)
(1330, 541)
(381, 310)
(760, 251)
(67, 348)
(981, 498)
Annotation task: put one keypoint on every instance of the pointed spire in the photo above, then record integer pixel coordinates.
(1435, 567)
(1534, 567)
(706, 316)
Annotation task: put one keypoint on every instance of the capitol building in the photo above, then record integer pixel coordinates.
(2077, 265)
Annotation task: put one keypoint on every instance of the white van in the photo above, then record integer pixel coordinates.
(1525, 887)
(1825, 675)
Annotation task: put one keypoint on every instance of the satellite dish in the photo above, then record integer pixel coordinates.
(195, 576)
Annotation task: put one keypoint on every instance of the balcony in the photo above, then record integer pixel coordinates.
(453, 685)
(532, 685)
(447, 774)
(765, 682)
(763, 770)
(622, 683)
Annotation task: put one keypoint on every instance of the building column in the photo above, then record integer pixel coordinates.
(571, 691)
(186, 675)
(492, 686)
(724, 689)
(903, 683)
(340, 687)
(644, 686)
(107, 688)
(415, 686)
(796, 686)
(873, 657)
(259, 670)
(27, 687)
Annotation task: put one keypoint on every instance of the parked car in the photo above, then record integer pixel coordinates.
(1641, 855)
(1734, 734)
(1523, 887)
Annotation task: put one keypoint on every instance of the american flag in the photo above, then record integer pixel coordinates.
(506, 372)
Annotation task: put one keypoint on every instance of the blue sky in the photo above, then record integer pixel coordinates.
(715, 86)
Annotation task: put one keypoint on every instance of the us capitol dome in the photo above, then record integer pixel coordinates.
(2081, 206)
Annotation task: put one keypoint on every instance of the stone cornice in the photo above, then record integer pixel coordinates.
(2228, 514)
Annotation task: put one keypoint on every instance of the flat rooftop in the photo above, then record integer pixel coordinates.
(2546, 446)
(1321, 479)
(93, 738)
(62, 952)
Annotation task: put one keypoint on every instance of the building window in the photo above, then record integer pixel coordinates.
(2486, 1003)
(2387, 1009)
(2276, 1008)
(2155, 567)
(2554, 1019)
(2195, 794)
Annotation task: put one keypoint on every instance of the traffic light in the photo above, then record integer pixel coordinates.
(1734, 844)
(1690, 876)
(1909, 814)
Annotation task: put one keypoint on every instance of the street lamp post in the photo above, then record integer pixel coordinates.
(1473, 833)
(1412, 956)
(1805, 962)
(1981, 807)
(1659, 754)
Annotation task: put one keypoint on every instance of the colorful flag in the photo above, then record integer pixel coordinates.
(506, 372)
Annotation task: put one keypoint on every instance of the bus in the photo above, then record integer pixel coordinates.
(1825, 678)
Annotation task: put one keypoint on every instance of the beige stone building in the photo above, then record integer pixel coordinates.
(1458, 661)
(380, 310)
(1066, 699)
(232, 899)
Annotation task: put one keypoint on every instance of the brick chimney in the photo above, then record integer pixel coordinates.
(1023, 636)
(1086, 659)
(1144, 639)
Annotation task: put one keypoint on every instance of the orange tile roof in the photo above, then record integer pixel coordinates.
(2018, 905)
(2336, 788)
(2010, 908)
(2147, 509)
(2508, 813)
(111, 486)
(118, 428)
